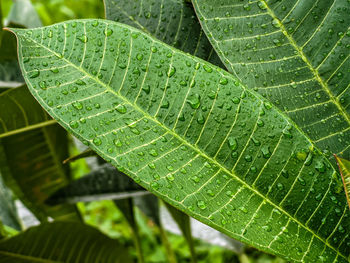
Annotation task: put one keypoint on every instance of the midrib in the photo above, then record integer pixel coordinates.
(195, 148)
(308, 63)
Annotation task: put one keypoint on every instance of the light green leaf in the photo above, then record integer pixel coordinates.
(295, 53)
(171, 21)
(192, 134)
(62, 242)
(32, 148)
(344, 168)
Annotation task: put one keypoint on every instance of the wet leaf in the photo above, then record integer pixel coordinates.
(109, 91)
(294, 53)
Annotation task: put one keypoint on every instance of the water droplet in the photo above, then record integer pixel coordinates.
(34, 74)
(154, 49)
(170, 177)
(117, 142)
(121, 108)
(280, 186)
(243, 209)
(80, 82)
(83, 38)
(236, 100)
(266, 151)
(320, 166)
(155, 185)
(97, 141)
(171, 72)
(153, 152)
(170, 168)
(108, 32)
(43, 85)
(210, 193)
(232, 143)
(248, 158)
(194, 101)
(73, 124)
(223, 81)
(78, 105)
(267, 228)
(201, 204)
(139, 57)
(207, 68)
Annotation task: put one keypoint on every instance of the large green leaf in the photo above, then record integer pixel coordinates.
(295, 53)
(190, 133)
(62, 242)
(171, 21)
(32, 148)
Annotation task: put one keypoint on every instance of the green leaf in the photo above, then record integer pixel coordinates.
(173, 22)
(192, 134)
(104, 183)
(344, 168)
(87, 153)
(8, 211)
(32, 148)
(295, 53)
(62, 242)
(183, 221)
(19, 112)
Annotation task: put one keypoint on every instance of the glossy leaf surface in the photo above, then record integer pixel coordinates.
(171, 21)
(62, 242)
(192, 134)
(295, 53)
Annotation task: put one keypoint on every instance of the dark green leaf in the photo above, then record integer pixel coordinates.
(62, 242)
(295, 53)
(32, 148)
(104, 183)
(192, 134)
(183, 221)
(171, 21)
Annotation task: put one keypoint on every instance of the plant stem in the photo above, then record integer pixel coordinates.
(169, 251)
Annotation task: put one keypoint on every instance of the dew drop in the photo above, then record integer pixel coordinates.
(34, 74)
(108, 32)
(97, 141)
(121, 108)
(201, 204)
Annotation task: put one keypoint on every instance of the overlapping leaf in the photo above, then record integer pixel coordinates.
(344, 168)
(171, 21)
(32, 148)
(62, 242)
(8, 211)
(295, 53)
(190, 133)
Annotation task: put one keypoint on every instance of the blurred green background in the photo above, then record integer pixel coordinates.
(104, 214)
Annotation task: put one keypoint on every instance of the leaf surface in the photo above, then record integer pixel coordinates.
(295, 53)
(344, 168)
(62, 242)
(192, 134)
(32, 148)
(172, 21)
